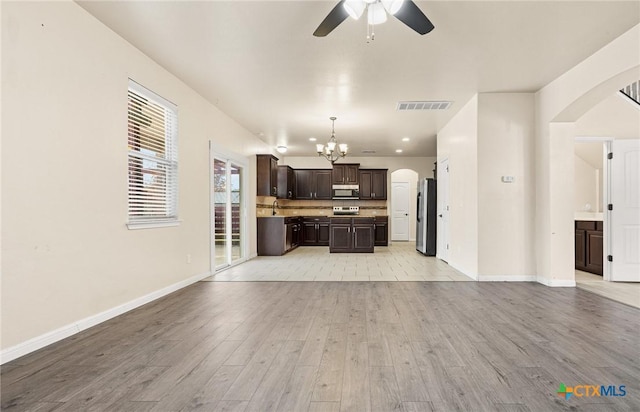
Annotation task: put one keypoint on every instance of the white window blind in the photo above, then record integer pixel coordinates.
(153, 157)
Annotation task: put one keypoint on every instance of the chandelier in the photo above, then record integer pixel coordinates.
(332, 151)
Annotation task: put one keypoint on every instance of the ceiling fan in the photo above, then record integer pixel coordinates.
(404, 10)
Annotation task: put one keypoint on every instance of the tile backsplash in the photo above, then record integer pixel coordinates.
(287, 207)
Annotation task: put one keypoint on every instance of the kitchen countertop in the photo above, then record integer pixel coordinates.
(588, 216)
(319, 216)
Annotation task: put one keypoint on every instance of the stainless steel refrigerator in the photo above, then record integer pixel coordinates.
(426, 217)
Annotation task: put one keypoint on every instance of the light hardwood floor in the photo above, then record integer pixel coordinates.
(341, 346)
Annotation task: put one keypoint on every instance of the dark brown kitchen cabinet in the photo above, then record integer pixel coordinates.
(373, 184)
(313, 184)
(286, 182)
(353, 235)
(315, 231)
(381, 231)
(267, 172)
(345, 174)
(589, 246)
(278, 235)
(294, 228)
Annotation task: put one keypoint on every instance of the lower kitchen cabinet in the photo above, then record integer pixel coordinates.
(354, 235)
(315, 231)
(381, 231)
(589, 246)
(278, 235)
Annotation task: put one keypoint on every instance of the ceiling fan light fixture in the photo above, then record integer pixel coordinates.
(354, 8)
(392, 6)
(376, 14)
(281, 149)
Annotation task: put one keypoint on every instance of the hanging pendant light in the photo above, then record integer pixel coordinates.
(329, 150)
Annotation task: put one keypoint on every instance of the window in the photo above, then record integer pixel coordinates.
(153, 159)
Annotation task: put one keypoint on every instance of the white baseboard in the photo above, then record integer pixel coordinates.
(506, 278)
(557, 283)
(56, 335)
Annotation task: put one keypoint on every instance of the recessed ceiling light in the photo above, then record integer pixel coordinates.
(398, 150)
(405, 139)
(281, 149)
(312, 139)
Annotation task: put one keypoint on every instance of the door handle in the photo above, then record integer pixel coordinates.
(439, 215)
(406, 214)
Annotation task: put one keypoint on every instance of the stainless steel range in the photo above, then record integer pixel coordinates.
(346, 210)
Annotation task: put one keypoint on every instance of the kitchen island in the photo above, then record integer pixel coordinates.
(351, 234)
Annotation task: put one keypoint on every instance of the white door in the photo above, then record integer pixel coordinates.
(442, 227)
(625, 216)
(400, 211)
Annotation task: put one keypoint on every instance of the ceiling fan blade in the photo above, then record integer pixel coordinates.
(413, 17)
(333, 19)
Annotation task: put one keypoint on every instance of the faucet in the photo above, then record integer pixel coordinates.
(273, 207)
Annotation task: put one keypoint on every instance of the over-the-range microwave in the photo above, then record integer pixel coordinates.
(346, 192)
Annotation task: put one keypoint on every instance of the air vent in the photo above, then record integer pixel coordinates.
(368, 151)
(425, 105)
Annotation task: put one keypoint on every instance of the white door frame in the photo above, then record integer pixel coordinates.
(443, 223)
(236, 160)
(606, 199)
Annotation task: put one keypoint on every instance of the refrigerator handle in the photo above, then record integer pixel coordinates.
(418, 207)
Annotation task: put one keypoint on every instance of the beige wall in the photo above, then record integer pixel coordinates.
(458, 142)
(66, 252)
(614, 117)
(586, 186)
(491, 222)
(506, 210)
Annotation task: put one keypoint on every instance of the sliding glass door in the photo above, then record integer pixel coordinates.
(227, 208)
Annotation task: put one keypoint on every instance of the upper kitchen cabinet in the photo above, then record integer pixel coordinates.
(313, 184)
(373, 184)
(286, 182)
(345, 174)
(267, 175)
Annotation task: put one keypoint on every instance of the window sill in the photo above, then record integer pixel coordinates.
(152, 225)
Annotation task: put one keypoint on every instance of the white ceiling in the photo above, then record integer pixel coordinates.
(259, 63)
